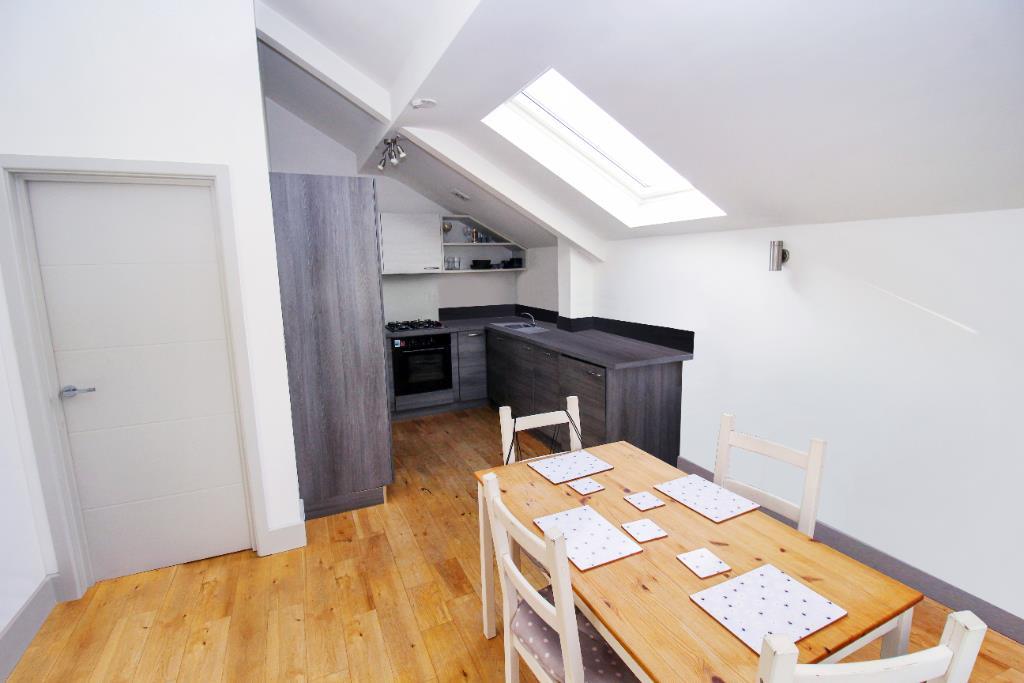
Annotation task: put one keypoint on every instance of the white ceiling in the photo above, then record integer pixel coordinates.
(309, 99)
(784, 112)
(376, 37)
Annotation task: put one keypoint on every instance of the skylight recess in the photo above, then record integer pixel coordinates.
(552, 121)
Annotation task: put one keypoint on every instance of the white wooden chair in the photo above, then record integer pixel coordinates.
(951, 661)
(509, 426)
(805, 515)
(543, 626)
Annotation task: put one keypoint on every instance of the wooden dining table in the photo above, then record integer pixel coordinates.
(641, 604)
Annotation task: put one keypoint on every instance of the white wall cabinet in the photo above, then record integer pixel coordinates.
(410, 243)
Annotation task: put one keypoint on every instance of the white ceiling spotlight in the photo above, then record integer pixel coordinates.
(392, 154)
(424, 103)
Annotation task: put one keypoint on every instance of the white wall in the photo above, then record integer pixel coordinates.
(164, 82)
(898, 341)
(476, 289)
(26, 551)
(294, 146)
(576, 272)
(537, 286)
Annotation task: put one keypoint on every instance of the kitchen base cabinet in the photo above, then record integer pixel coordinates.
(640, 404)
(499, 361)
(472, 371)
(587, 382)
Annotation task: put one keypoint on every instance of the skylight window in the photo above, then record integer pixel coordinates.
(563, 129)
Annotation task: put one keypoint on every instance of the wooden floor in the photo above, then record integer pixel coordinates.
(386, 593)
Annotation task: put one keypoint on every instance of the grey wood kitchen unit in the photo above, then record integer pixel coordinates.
(626, 390)
(329, 268)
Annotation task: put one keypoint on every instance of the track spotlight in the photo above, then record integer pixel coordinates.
(391, 154)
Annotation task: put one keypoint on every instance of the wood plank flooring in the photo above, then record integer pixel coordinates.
(389, 593)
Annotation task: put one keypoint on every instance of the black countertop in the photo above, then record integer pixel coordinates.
(611, 351)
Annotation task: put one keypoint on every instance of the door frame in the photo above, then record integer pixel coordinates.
(42, 431)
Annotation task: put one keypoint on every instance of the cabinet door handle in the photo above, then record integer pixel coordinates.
(473, 334)
(431, 267)
(593, 373)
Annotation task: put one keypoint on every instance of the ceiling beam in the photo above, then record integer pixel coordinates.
(324, 63)
(506, 188)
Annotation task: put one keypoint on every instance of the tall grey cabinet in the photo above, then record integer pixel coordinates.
(328, 257)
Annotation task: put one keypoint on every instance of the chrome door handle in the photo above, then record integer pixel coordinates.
(431, 267)
(473, 334)
(594, 374)
(70, 391)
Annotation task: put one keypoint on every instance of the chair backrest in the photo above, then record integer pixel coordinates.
(508, 532)
(509, 426)
(951, 661)
(806, 513)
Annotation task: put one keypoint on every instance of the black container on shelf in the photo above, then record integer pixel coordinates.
(480, 264)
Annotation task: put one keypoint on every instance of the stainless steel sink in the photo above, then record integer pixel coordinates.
(525, 328)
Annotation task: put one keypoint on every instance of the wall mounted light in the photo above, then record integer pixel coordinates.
(777, 255)
(392, 153)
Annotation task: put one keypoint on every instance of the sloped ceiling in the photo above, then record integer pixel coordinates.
(786, 112)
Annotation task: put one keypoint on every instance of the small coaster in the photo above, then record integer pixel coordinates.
(585, 486)
(644, 530)
(644, 501)
(703, 562)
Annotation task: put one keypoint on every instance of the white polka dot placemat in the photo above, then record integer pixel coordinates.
(585, 486)
(707, 498)
(644, 530)
(590, 539)
(644, 501)
(568, 466)
(703, 562)
(764, 601)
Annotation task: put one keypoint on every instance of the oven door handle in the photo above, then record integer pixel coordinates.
(434, 350)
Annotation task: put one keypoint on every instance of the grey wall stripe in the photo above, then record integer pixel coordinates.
(998, 619)
(15, 638)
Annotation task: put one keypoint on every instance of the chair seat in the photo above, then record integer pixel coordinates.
(600, 662)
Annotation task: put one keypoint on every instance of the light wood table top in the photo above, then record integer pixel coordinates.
(643, 600)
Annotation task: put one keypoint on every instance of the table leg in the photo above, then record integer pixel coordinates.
(486, 565)
(897, 641)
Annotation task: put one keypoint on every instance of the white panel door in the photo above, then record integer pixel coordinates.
(410, 243)
(131, 281)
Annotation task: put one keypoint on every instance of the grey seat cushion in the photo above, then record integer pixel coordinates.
(600, 662)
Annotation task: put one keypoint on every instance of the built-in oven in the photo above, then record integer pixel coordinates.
(422, 363)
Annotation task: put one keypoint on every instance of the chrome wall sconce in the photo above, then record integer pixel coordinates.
(392, 154)
(777, 255)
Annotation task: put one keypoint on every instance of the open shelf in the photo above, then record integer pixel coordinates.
(499, 249)
(481, 244)
(481, 270)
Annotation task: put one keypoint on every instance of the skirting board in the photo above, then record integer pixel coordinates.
(283, 539)
(433, 410)
(997, 619)
(14, 639)
(345, 502)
